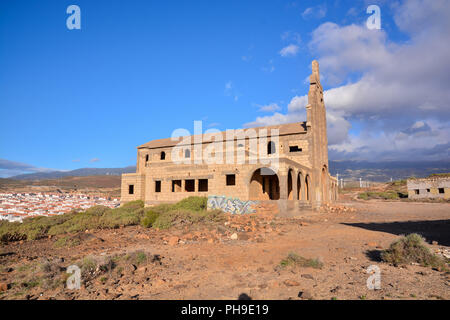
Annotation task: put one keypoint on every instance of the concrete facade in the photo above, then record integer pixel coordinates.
(429, 188)
(284, 162)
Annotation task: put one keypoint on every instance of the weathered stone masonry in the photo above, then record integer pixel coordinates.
(429, 188)
(302, 155)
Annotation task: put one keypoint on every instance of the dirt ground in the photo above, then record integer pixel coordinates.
(208, 262)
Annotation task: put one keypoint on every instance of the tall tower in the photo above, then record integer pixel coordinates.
(317, 126)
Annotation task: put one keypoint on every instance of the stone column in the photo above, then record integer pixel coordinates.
(283, 187)
(294, 185)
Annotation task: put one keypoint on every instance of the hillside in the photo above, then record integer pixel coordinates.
(105, 185)
(83, 172)
(380, 171)
(383, 171)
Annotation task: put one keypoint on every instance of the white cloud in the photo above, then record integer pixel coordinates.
(10, 168)
(291, 36)
(95, 160)
(317, 12)
(271, 107)
(400, 99)
(230, 90)
(290, 50)
(276, 118)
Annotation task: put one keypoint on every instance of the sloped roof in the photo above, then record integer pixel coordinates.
(284, 129)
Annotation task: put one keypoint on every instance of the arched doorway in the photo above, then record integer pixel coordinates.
(299, 186)
(307, 187)
(264, 185)
(290, 185)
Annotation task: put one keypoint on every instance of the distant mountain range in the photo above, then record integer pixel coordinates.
(347, 169)
(83, 172)
(385, 170)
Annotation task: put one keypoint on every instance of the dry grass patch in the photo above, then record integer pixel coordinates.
(294, 260)
(412, 249)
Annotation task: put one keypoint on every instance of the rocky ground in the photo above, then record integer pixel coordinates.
(243, 254)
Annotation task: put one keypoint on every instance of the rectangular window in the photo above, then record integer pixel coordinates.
(189, 185)
(231, 179)
(416, 191)
(157, 186)
(428, 190)
(441, 190)
(203, 185)
(295, 149)
(176, 185)
(131, 189)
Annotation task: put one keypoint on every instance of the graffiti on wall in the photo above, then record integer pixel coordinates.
(230, 205)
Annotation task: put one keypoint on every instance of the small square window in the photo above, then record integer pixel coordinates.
(131, 189)
(416, 191)
(231, 179)
(428, 190)
(203, 185)
(441, 190)
(176, 185)
(158, 186)
(189, 185)
(295, 149)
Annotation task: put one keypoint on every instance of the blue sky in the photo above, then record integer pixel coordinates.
(137, 70)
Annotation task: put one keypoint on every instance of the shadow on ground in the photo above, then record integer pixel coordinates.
(431, 230)
(374, 255)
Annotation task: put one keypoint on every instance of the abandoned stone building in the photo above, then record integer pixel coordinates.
(284, 162)
(434, 187)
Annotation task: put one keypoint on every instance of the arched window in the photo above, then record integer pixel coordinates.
(187, 153)
(163, 155)
(271, 147)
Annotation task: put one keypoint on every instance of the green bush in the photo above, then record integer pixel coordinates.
(189, 210)
(294, 260)
(174, 217)
(412, 248)
(120, 217)
(97, 217)
(388, 195)
(149, 218)
(192, 203)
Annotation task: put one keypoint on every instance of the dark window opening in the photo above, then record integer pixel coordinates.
(176, 185)
(428, 190)
(416, 191)
(157, 186)
(231, 179)
(271, 147)
(202, 185)
(189, 185)
(441, 190)
(163, 155)
(295, 149)
(187, 153)
(131, 189)
(146, 158)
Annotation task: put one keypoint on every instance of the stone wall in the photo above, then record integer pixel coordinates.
(429, 188)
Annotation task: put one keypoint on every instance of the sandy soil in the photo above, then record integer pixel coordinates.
(204, 262)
